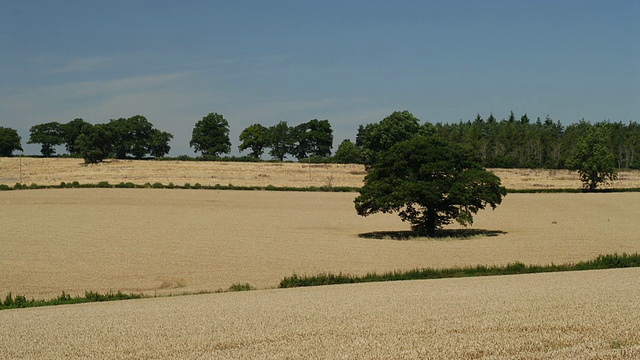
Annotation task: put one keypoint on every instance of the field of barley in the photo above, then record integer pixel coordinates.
(171, 242)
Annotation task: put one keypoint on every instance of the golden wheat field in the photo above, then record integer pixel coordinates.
(170, 242)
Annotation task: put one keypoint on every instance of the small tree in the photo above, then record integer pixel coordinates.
(95, 143)
(593, 160)
(256, 138)
(49, 135)
(211, 136)
(312, 138)
(70, 132)
(9, 141)
(430, 183)
(280, 140)
(158, 143)
(348, 153)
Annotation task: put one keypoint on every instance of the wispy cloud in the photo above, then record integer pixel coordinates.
(84, 64)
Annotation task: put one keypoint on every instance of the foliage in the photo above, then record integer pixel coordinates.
(70, 133)
(20, 301)
(240, 287)
(348, 153)
(10, 141)
(312, 138)
(593, 160)
(256, 138)
(613, 261)
(280, 140)
(211, 135)
(377, 138)
(158, 143)
(95, 143)
(137, 137)
(48, 135)
(429, 182)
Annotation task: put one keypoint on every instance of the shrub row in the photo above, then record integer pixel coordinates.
(601, 262)
(20, 301)
(157, 185)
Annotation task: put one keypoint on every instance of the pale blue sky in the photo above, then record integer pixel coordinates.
(351, 62)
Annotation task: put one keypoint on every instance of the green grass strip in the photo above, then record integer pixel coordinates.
(614, 261)
(20, 301)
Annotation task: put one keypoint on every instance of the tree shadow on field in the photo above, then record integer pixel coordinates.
(443, 234)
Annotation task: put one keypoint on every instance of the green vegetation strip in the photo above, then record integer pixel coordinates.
(20, 301)
(157, 185)
(614, 261)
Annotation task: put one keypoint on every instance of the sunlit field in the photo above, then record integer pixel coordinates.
(162, 242)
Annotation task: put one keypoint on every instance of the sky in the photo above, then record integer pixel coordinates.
(351, 62)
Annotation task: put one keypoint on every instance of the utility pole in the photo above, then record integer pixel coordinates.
(21, 168)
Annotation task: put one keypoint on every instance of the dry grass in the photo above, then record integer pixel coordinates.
(175, 241)
(54, 171)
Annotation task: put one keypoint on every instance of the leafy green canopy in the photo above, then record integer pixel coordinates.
(49, 135)
(312, 138)
(430, 183)
(211, 135)
(593, 159)
(280, 140)
(256, 138)
(9, 141)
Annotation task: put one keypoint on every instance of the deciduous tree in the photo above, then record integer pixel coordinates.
(280, 140)
(211, 136)
(95, 143)
(312, 138)
(49, 135)
(430, 183)
(255, 138)
(9, 141)
(593, 160)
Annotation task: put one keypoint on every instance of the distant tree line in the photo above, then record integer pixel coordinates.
(313, 138)
(506, 143)
(121, 138)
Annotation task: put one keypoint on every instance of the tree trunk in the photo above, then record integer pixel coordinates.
(431, 222)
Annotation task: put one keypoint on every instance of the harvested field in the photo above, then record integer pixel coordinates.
(55, 170)
(577, 315)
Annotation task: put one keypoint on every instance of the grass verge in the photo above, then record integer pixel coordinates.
(613, 261)
(20, 301)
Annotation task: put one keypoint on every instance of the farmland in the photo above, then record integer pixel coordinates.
(169, 242)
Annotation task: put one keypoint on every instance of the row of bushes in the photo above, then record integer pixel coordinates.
(20, 301)
(157, 185)
(614, 261)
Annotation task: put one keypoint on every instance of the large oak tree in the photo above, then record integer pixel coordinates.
(430, 183)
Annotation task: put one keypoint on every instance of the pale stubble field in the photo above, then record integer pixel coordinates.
(176, 241)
